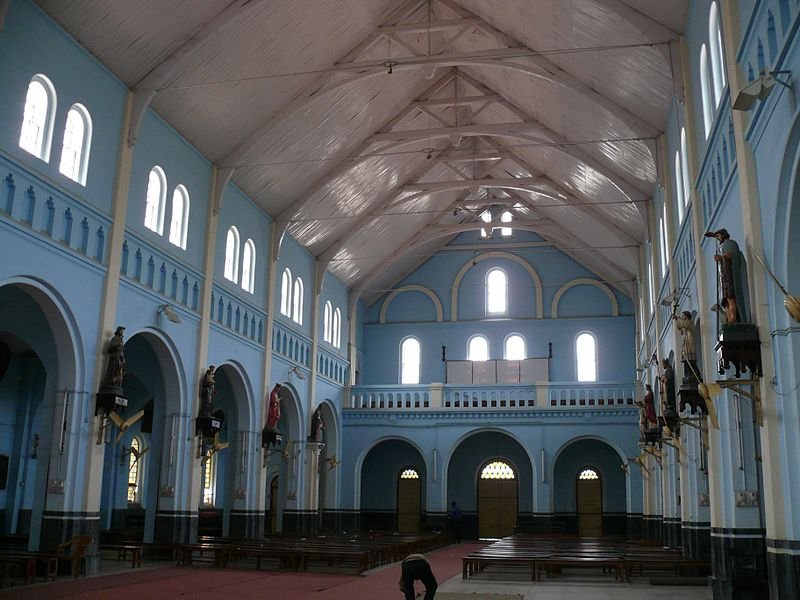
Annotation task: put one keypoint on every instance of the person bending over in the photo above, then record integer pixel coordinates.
(416, 567)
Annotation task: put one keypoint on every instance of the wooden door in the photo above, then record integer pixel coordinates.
(408, 505)
(497, 507)
(590, 507)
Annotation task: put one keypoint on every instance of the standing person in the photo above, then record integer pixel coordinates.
(455, 521)
(416, 567)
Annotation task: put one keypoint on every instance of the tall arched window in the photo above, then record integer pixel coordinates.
(717, 56)
(232, 255)
(297, 301)
(180, 217)
(515, 347)
(77, 144)
(410, 356)
(586, 357)
(706, 90)
(249, 267)
(327, 322)
(496, 292)
(337, 328)
(37, 119)
(663, 235)
(687, 188)
(506, 218)
(478, 348)
(497, 469)
(155, 201)
(286, 293)
(135, 470)
(679, 187)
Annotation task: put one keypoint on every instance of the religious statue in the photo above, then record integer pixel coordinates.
(666, 388)
(685, 325)
(207, 391)
(731, 277)
(274, 411)
(115, 367)
(647, 411)
(317, 425)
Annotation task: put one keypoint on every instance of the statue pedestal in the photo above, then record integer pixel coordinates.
(738, 346)
(207, 427)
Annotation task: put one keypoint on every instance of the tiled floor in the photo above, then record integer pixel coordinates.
(578, 586)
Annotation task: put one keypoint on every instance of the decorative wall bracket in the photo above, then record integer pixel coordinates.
(734, 385)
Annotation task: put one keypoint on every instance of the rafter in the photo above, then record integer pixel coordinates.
(146, 88)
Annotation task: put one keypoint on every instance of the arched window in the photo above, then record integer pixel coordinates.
(506, 218)
(409, 474)
(679, 187)
(497, 470)
(135, 470)
(327, 322)
(410, 356)
(232, 255)
(286, 293)
(515, 347)
(715, 50)
(297, 301)
(687, 188)
(706, 91)
(496, 292)
(37, 119)
(155, 201)
(478, 348)
(663, 236)
(587, 474)
(249, 267)
(337, 328)
(180, 217)
(77, 144)
(486, 217)
(586, 357)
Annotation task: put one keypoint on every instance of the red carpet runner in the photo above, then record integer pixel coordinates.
(205, 583)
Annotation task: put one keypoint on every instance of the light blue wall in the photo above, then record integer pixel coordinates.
(76, 77)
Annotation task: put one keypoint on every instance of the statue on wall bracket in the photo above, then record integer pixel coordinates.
(737, 338)
(111, 397)
(208, 422)
(270, 435)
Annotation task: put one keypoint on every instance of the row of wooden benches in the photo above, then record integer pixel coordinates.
(548, 556)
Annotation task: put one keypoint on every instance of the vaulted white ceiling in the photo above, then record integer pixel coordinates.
(374, 131)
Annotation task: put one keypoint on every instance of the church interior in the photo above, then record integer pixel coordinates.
(506, 281)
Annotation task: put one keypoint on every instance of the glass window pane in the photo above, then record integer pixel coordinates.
(496, 292)
(72, 146)
(515, 348)
(410, 361)
(34, 119)
(586, 354)
(478, 348)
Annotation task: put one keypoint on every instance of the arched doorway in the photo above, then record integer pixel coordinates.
(589, 496)
(40, 404)
(409, 496)
(579, 503)
(497, 499)
(274, 486)
(145, 453)
(381, 484)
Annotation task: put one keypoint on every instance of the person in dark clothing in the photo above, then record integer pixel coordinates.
(416, 567)
(455, 521)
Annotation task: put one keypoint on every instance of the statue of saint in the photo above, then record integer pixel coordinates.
(731, 276)
(666, 387)
(317, 425)
(685, 325)
(274, 411)
(647, 411)
(115, 367)
(207, 391)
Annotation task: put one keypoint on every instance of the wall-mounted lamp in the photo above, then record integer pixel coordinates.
(759, 89)
(674, 298)
(296, 370)
(169, 312)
